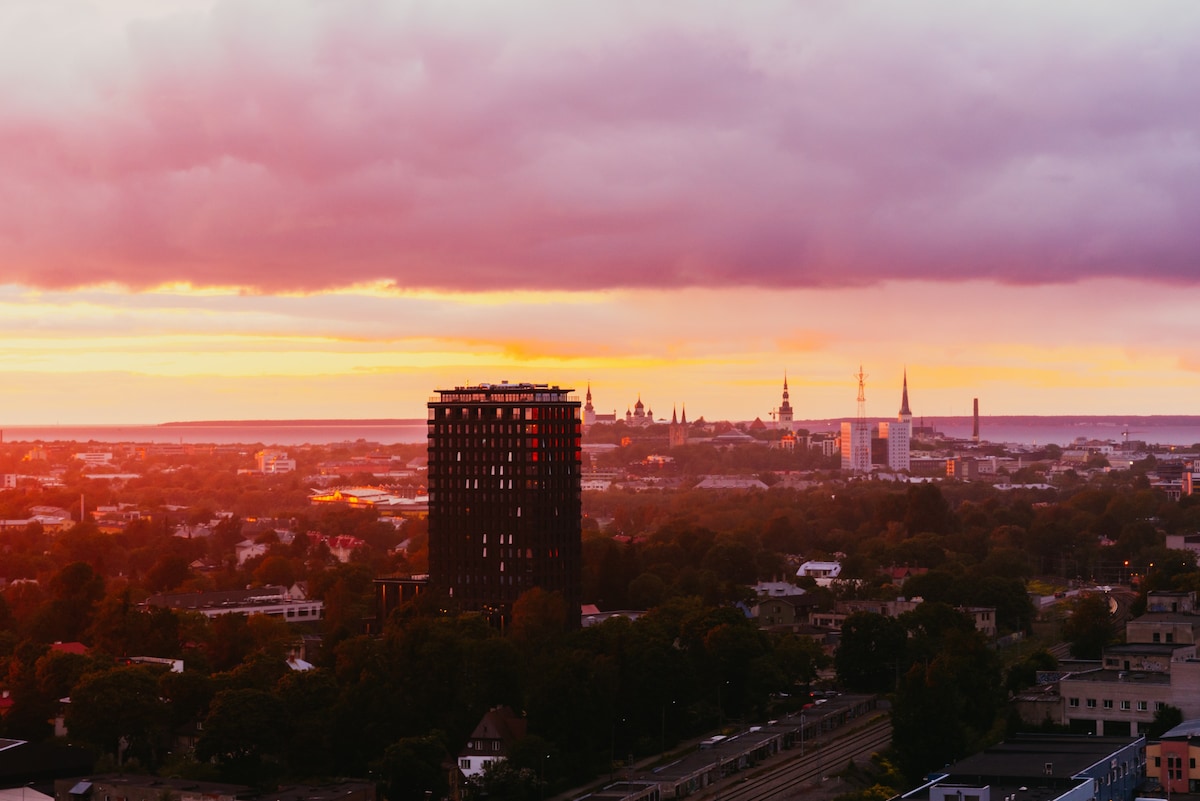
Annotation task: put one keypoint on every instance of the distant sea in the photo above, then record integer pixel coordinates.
(1182, 430)
(224, 432)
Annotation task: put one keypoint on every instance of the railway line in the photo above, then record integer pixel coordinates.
(794, 777)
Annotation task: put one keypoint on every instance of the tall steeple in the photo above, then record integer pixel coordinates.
(899, 434)
(589, 411)
(677, 434)
(785, 408)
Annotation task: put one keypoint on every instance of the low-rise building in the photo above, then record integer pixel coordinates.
(270, 600)
(1043, 767)
(272, 462)
(825, 573)
(1171, 759)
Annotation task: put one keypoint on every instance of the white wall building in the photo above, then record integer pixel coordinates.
(856, 446)
(823, 572)
(274, 462)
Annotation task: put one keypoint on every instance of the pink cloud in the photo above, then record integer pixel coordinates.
(309, 146)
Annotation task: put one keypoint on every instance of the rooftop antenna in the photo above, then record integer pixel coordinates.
(862, 396)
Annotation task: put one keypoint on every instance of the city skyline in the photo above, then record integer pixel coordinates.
(255, 210)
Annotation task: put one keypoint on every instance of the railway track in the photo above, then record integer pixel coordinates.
(787, 779)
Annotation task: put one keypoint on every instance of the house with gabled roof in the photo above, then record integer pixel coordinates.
(498, 730)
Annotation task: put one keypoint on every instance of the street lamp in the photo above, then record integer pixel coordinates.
(662, 744)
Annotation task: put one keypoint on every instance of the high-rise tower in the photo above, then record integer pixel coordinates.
(899, 434)
(785, 408)
(504, 495)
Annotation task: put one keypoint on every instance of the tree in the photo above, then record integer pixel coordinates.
(538, 617)
(74, 592)
(946, 706)
(58, 671)
(927, 510)
(186, 696)
(1089, 628)
(1014, 610)
(230, 641)
(244, 731)
(120, 712)
(275, 570)
(869, 654)
(168, 573)
(411, 768)
(505, 781)
(1024, 673)
(308, 696)
(1166, 718)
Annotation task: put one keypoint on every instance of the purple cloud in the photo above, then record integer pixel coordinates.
(307, 146)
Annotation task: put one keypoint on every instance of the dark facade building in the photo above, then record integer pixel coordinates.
(504, 496)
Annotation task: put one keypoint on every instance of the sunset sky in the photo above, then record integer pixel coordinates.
(295, 209)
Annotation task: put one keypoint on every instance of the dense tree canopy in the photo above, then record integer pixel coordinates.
(407, 696)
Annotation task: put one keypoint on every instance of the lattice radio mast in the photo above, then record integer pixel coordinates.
(862, 397)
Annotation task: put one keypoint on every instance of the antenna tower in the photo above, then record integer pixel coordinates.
(862, 397)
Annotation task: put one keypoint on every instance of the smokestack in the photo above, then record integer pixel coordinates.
(975, 427)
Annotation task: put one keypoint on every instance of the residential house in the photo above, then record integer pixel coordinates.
(497, 731)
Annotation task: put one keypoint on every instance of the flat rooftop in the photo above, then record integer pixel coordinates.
(1122, 676)
(1026, 755)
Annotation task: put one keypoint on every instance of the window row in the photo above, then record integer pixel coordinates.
(464, 450)
(489, 412)
(567, 428)
(1107, 703)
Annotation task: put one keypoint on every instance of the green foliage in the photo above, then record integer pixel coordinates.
(692, 662)
(1023, 674)
(119, 711)
(411, 768)
(1089, 627)
(1166, 718)
(870, 652)
(504, 781)
(244, 733)
(945, 708)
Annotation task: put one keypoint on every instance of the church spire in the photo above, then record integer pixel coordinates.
(905, 412)
(785, 407)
